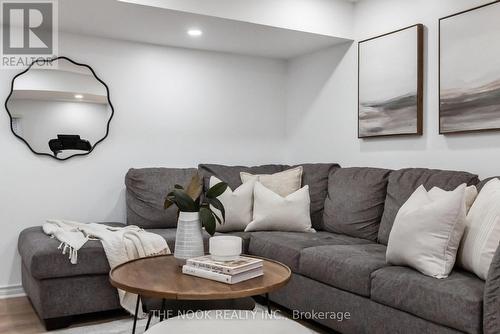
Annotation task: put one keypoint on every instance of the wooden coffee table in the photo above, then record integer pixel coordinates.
(161, 277)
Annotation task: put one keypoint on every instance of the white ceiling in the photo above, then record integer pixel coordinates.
(125, 21)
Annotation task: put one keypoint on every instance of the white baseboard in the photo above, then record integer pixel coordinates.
(11, 291)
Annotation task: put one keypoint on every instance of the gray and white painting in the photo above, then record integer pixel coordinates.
(388, 84)
(470, 71)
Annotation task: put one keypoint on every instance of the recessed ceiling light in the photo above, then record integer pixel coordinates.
(78, 96)
(195, 32)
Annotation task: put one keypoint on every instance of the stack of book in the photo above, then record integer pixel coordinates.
(230, 272)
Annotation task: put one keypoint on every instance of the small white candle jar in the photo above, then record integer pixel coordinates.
(225, 248)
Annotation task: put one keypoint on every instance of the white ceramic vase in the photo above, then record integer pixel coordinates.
(188, 238)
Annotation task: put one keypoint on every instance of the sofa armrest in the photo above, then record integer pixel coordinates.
(491, 317)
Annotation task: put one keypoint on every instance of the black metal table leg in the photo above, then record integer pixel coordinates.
(268, 303)
(150, 316)
(136, 313)
(162, 310)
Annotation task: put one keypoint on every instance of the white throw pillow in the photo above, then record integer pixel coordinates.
(283, 183)
(470, 195)
(238, 205)
(482, 231)
(427, 231)
(272, 212)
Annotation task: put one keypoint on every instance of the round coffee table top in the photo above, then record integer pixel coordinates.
(229, 321)
(161, 277)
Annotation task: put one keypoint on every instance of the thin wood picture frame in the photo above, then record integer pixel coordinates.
(404, 110)
(457, 114)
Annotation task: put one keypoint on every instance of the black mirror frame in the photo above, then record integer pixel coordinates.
(44, 61)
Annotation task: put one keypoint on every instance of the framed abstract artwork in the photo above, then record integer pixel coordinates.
(469, 70)
(390, 83)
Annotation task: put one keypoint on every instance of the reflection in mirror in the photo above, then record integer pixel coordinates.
(59, 108)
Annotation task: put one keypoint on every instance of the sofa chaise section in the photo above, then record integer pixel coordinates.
(59, 290)
(43, 260)
(58, 300)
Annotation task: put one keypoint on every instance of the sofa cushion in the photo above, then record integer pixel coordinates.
(316, 177)
(42, 258)
(403, 182)
(355, 201)
(455, 301)
(231, 174)
(287, 246)
(146, 192)
(347, 267)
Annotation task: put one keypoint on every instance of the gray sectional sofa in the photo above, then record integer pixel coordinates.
(340, 269)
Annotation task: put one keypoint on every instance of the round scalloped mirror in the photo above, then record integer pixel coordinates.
(59, 108)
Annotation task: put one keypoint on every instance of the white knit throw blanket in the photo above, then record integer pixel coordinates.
(121, 244)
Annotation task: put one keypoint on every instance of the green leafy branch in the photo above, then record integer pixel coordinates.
(189, 200)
